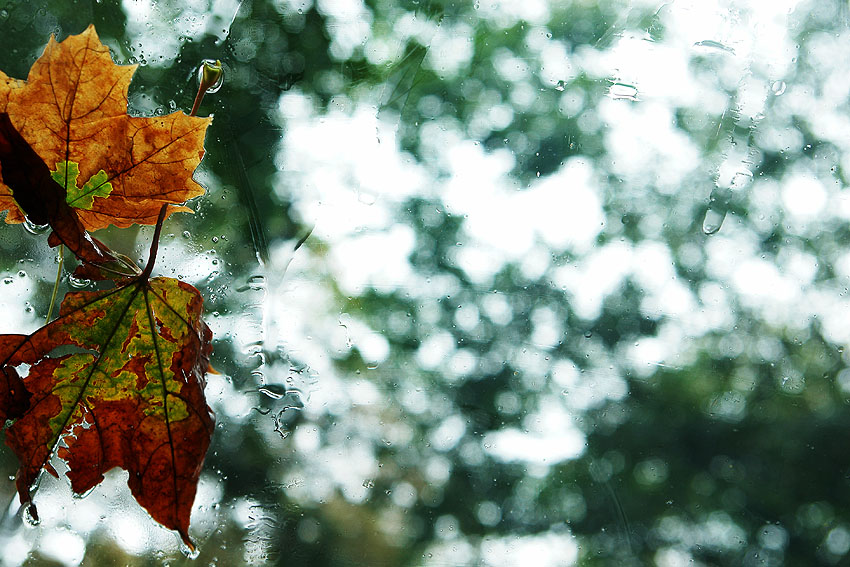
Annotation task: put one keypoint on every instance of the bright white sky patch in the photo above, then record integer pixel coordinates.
(451, 49)
(548, 438)
(375, 259)
(595, 277)
(803, 196)
(347, 168)
(645, 146)
(14, 550)
(349, 25)
(544, 550)
(563, 210)
(63, 546)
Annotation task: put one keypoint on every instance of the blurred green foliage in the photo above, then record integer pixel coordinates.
(731, 453)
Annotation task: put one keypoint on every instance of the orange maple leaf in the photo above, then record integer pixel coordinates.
(117, 169)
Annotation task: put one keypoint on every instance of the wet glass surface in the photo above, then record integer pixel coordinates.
(503, 282)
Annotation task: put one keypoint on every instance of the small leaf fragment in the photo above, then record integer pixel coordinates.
(66, 175)
(14, 397)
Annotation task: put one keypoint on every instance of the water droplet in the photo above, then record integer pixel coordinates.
(368, 483)
(713, 220)
(273, 391)
(29, 515)
(36, 229)
(623, 91)
(7, 281)
(588, 334)
(84, 494)
(254, 283)
(212, 63)
(711, 45)
(367, 198)
(292, 401)
(78, 283)
(190, 552)
(560, 86)
(778, 87)
(741, 179)
(186, 234)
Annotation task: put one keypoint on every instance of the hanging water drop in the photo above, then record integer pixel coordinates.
(623, 91)
(29, 515)
(36, 229)
(211, 73)
(80, 496)
(713, 220)
(190, 552)
(253, 283)
(78, 283)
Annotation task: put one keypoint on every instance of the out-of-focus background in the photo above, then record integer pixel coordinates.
(576, 291)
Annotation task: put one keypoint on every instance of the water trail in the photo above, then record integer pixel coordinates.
(735, 170)
(274, 375)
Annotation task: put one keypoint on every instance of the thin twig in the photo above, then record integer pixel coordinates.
(155, 244)
(56, 283)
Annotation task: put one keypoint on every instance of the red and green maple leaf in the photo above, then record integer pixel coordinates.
(115, 168)
(130, 395)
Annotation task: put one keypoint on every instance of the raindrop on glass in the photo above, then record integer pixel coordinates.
(80, 496)
(78, 282)
(713, 221)
(190, 552)
(623, 91)
(741, 179)
(711, 45)
(273, 391)
(214, 64)
(29, 515)
(778, 87)
(33, 228)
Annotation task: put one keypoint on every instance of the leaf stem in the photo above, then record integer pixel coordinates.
(155, 244)
(56, 283)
